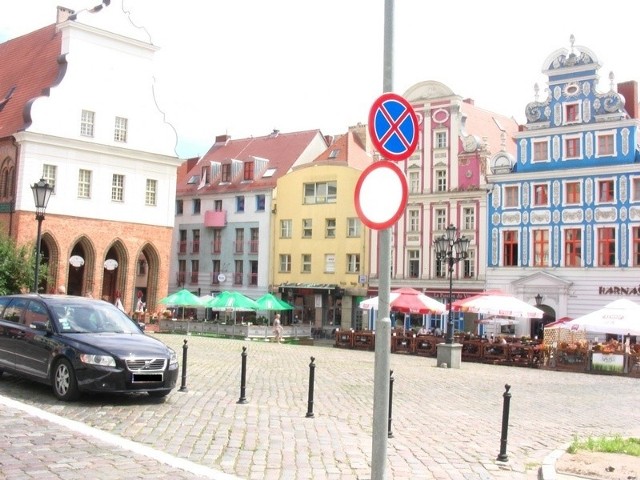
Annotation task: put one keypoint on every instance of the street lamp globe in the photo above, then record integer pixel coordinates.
(41, 193)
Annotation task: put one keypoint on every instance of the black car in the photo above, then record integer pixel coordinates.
(78, 344)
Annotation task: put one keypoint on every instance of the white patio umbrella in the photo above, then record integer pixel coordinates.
(498, 303)
(620, 317)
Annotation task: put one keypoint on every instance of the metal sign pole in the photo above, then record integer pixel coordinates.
(383, 323)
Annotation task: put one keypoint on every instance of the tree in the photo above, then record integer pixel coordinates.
(17, 266)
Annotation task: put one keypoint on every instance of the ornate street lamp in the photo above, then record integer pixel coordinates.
(41, 194)
(451, 248)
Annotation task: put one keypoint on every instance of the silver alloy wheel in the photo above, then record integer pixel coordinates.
(62, 379)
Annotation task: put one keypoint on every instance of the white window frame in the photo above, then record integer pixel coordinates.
(504, 196)
(635, 189)
(151, 193)
(305, 263)
(441, 180)
(353, 263)
(49, 174)
(608, 133)
(84, 183)
(440, 139)
(120, 129)
(330, 228)
(469, 218)
(285, 263)
(578, 119)
(440, 219)
(286, 229)
(117, 187)
(413, 220)
(87, 123)
(534, 187)
(329, 263)
(354, 227)
(566, 138)
(414, 182)
(540, 141)
(307, 228)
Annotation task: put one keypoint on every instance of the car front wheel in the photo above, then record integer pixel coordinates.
(65, 385)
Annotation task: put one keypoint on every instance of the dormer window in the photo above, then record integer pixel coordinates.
(225, 176)
(248, 171)
(572, 113)
(205, 175)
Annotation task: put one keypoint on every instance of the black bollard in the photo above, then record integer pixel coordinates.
(503, 457)
(183, 387)
(389, 432)
(243, 377)
(312, 374)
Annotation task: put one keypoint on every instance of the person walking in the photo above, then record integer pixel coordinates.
(277, 328)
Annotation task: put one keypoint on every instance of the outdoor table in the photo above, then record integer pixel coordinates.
(472, 350)
(426, 345)
(344, 338)
(495, 352)
(364, 340)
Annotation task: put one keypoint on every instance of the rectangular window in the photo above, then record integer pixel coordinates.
(441, 180)
(511, 194)
(216, 247)
(440, 218)
(237, 275)
(217, 205)
(195, 244)
(215, 272)
(306, 263)
(635, 189)
(120, 130)
(49, 176)
(225, 173)
(86, 123)
(572, 112)
(572, 147)
(182, 243)
(260, 203)
(413, 221)
(142, 267)
(151, 193)
(195, 271)
(353, 263)
(353, 227)
(248, 171)
(606, 192)
(285, 228)
(84, 183)
(320, 192)
(541, 248)
(205, 176)
(117, 187)
(196, 206)
(606, 247)
(572, 193)
(541, 195)
(572, 247)
(440, 140)
(239, 243)
(469, 265)
(441, 268)
(414, 182)
(254, 242)
(469, 218)
(605, 145)
(510, 248)
(307, 229)
(329, 263)
(179, 207)
(240, 203)
(285, 263)
(413, 259)
(330, 228)
(635, 246)
(540, 151)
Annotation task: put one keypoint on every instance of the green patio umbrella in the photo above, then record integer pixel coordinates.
(270, 302)
(182, 298)
(232, 302)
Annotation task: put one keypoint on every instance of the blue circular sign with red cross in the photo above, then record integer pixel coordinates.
(393, 126)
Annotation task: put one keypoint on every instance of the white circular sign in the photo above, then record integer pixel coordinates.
(221, 277)
(76, 261)
(110, 264)
(381, 195)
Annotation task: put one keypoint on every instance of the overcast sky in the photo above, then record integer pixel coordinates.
(245, 67)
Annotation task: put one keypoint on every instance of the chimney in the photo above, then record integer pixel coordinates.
(63, 14)
(222, 139)
(629, 90)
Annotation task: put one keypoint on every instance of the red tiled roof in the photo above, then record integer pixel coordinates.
(281, 150)
(348, 149)
(30, 65)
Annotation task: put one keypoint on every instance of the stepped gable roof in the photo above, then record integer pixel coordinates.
(274, 154)
(31, 65)
(346, 149)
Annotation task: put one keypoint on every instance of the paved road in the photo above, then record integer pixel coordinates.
(446, 423)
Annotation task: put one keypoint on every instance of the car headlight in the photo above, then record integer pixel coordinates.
(100, 360)
(173, 358)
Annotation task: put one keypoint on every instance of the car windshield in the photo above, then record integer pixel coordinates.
(92, 318)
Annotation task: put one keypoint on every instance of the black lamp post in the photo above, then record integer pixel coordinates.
(41, 194)
(451, 248)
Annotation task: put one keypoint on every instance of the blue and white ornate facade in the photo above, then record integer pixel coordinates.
(564, 215)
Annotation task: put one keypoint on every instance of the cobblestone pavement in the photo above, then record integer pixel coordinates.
(446, 422)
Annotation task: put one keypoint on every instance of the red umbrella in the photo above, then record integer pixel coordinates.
(408, 300)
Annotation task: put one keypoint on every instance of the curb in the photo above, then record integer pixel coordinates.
(548, 469)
